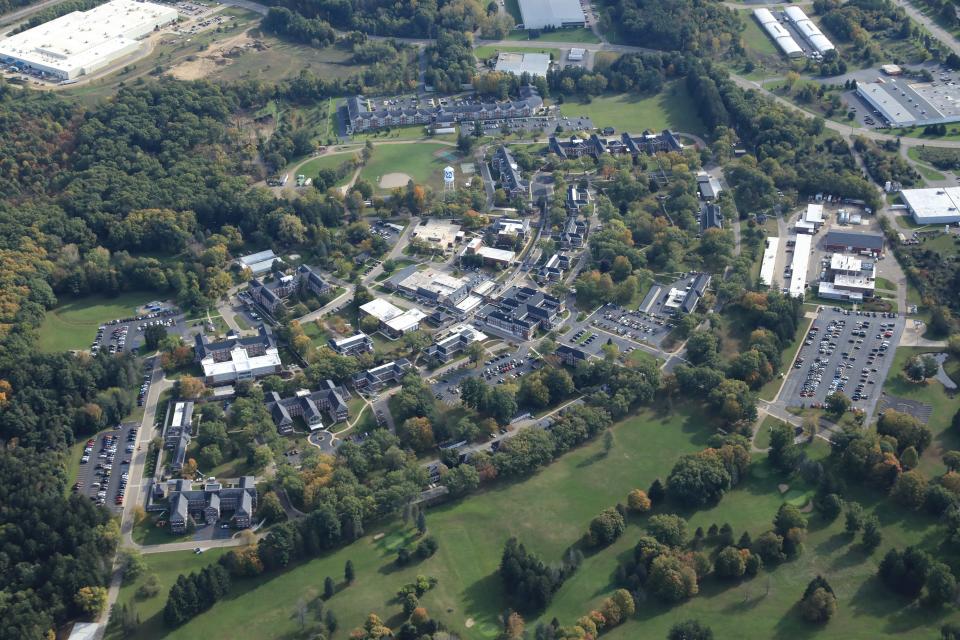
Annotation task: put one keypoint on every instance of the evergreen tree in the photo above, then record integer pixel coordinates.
(421, 523)
(348, 573)
(328, 588)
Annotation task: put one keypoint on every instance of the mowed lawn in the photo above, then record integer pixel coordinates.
(670, 109)
(418, 160)
(312, 167)
(549, 512)
(73, 323)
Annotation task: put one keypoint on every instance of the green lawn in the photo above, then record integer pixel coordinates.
(762, 439)
(317, 335)
(424, 162)
(572, 36)
(312, 167)
(672, 108)
(556, 506)
(883, 283)
(73, 323)
(755, 38)
(487, 52)
(932, 393)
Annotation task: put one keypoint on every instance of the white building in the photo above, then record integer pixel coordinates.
(798, 268)
(241, 366)
(259, 262)
(403, 324)
(769, 260)
(82, 42)
(576, 54)
(780, 36)
(810, 32)
(536, 64)
(381, 309)
(850, 278)
(933, 206)
(538, 14)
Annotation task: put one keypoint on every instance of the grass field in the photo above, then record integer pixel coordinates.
(754, 37)
(487, 52)
(932, 393)
(73, 323)
(557, 505)
(672, 108)
(417, 160)
(572, 36)
(281, 60)
(883, 283)
(312, 167)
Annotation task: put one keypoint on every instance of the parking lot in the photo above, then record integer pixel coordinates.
(508, 366)
(633, 324)
(126, 334)
(846, 351)
(103, 468)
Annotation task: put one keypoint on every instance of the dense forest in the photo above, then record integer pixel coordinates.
(695, 26)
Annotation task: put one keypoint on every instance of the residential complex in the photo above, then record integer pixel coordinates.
(352, 345)
(524, 310)
(211, 502)
(378, 377)
(507, 169)
(177, 434)
(271, 294)
(364, 114)
(647, 143)
(309, 406)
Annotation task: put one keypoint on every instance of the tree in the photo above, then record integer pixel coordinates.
(328, 588)
(657, 492)
(690, 630)
(819, 603)
(671, 580)
(730, 563)
(941, 321)
(330, 620)
(638, 501)
(153, 335)
(920, 367)
(830, 506)
(872, 534)
(784, 454)
(668, 529)
(837, 403)
(270, 508)
(607, 441)
(421, 523)
(769, 546)
(906, 429)
(348, 572)
(461, 480)
(91, 600)
(951, 459)
(854, 517)
(788, 517)
(941, 585)
(910, 489)
(190, 387)
(606, 527)
(698, 479)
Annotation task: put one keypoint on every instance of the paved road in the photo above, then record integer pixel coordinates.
(26, 12)
(938, 32)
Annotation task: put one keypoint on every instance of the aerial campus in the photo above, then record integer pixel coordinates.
(528, 319)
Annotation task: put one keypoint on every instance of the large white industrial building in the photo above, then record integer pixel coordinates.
(810, 32)
(540, 14)
(83, 42)
(798, 268)
(933, 206)
(780, 36)
(769, 260)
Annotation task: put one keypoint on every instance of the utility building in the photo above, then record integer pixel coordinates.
(539, 14)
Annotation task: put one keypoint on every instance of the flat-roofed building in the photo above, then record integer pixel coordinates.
(709, 187)
(488, 255)
(259, 262)
(852, 242)
(381, 309)
(235, 358)
(933, 206)
(83, 42)
(443, 234)
(769, 260)
(535, 64)
(849, 278)
(405, 323)
(435, 286)
(523, 310)
(540, 14)
(798, 267)
(458, 339)
(352, 345)
(379, 377)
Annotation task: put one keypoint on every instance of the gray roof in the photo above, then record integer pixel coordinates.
(850, 239)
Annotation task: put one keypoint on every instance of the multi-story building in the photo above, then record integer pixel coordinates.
(459, 338)
(352, 345)
(574, 233)
(554, 268)
(523, 310)
(270, 295)
(177, 434)
(364, 115)
(379, 377)
(209, 503)
(508, 170)
(309, 406)
(237, 358)
(848, 278)
(647, 143)
(571, 356)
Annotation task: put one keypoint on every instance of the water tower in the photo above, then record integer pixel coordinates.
(449, 178)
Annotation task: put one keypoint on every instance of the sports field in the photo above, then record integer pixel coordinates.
(312, 167)
(73, 324)
(421, 161)
(669, 109)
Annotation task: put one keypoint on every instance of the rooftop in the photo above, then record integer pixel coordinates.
(933, 204)
(536, 64)
(537, 14)
(381, 309)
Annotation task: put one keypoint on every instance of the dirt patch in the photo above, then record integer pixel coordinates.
(469, 623)
(783, 488)
(203, 63)
(394, 180)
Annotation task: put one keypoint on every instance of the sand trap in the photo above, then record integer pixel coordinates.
(783, 488)
(469, 623)
(394, 180)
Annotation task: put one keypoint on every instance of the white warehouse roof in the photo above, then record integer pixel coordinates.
(538, 14)
(808, 29)
(381, 309)
(769, 260)
(82, 42)
(780, 36)
(933, 206)
(536, 64)
(801, 257)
